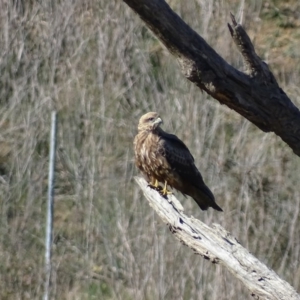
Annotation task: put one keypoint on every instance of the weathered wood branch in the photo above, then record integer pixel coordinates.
(219, 246)
(254, 94)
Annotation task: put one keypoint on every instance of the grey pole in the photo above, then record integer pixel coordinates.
(50, 205)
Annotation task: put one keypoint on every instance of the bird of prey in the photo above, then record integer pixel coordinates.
(164, 158)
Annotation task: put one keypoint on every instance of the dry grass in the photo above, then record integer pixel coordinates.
(101, 69)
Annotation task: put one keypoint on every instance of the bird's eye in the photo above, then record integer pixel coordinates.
(150, 119)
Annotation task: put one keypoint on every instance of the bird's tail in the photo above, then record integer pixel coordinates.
(205, 198)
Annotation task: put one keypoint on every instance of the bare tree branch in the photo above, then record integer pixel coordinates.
(254, 94)
(220, 247)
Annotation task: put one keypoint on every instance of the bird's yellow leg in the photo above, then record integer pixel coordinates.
(165, 191)
(155, 185)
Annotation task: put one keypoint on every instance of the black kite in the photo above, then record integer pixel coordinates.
(163, 157)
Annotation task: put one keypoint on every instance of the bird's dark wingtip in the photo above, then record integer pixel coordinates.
(214, 205)
(217, 207)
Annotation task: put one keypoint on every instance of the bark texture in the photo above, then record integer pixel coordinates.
(255, 94)
(220, 247)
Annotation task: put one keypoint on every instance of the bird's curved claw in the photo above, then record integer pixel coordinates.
(155, 186)
(165, 191)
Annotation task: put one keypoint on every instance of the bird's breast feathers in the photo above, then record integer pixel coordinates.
(148, 151)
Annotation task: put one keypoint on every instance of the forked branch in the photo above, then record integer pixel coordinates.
(220, 247)
(255, 94)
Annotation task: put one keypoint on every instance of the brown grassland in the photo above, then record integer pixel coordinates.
(96, 64)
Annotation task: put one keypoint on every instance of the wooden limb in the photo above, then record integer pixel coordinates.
(255, 94)
(255, 67)
(220, 247)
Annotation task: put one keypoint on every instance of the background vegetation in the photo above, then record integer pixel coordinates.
(95, 63)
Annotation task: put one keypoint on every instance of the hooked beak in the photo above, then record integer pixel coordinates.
(157, 122)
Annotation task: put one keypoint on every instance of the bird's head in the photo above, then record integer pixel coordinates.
(150, 121)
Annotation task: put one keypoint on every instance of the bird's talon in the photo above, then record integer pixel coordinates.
(155, 186)
(165, 191)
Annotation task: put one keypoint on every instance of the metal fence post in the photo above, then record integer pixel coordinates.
(50, 205)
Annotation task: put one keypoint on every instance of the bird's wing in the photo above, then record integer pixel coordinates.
(180, 159)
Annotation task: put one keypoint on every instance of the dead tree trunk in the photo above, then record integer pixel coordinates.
(254, 94)
(219, 246)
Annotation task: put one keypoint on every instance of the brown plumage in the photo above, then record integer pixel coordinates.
(164, 157)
